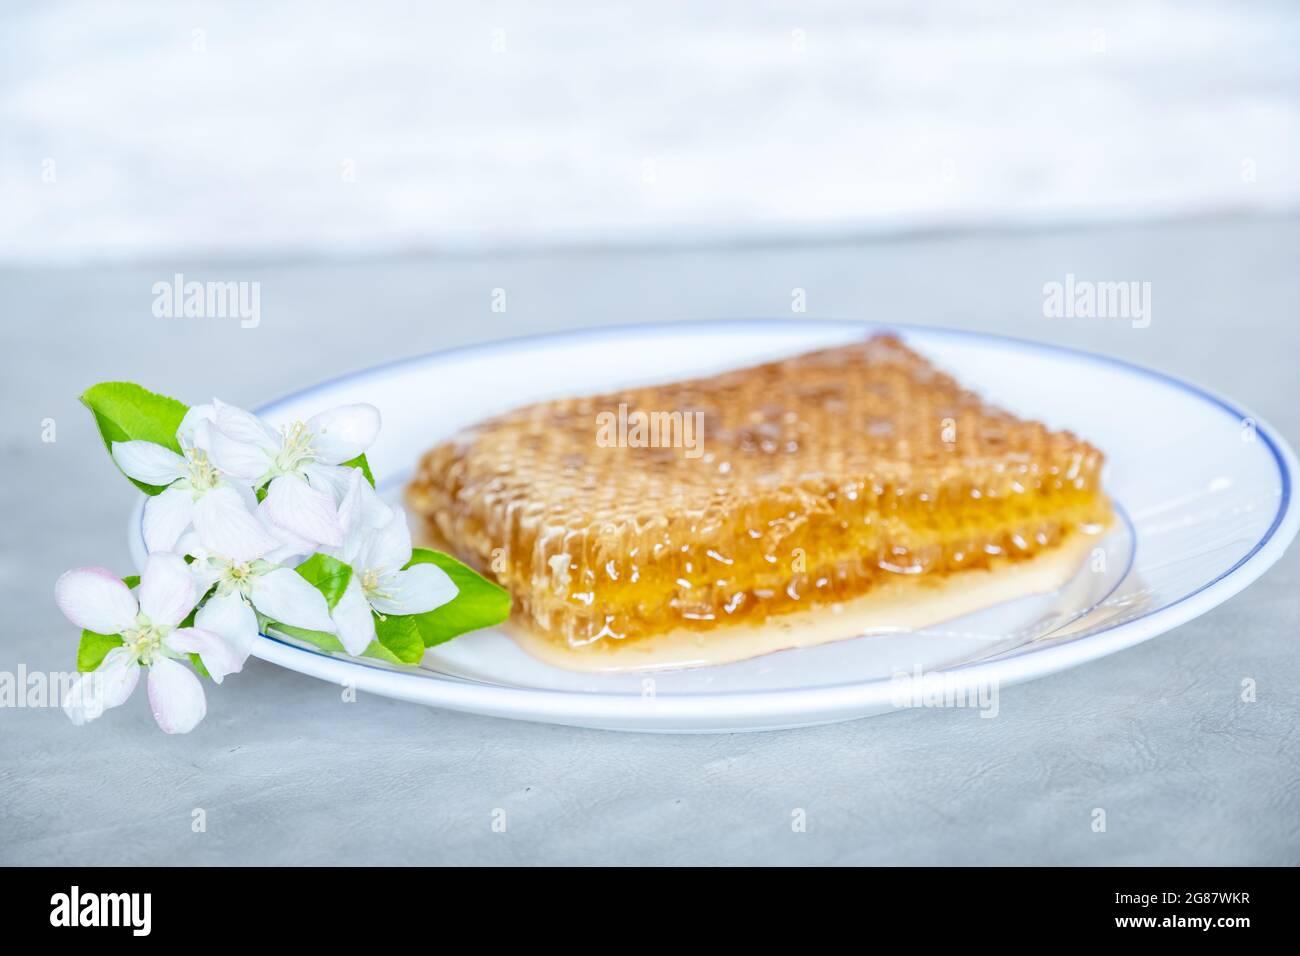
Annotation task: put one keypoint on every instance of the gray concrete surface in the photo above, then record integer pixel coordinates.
(286, 773)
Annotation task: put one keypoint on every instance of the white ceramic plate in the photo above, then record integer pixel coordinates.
(1203, 485)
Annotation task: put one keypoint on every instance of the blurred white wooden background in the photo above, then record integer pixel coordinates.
(246, 129)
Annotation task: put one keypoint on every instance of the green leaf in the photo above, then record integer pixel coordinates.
(328, 642)
(400, 634)
(479, 603)
(94, 648)
(360, 462)
(126, 412)
(328, 575)
(198, 665)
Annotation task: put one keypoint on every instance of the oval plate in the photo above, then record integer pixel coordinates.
(1203, 485)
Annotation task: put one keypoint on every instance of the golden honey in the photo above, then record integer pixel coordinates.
(812, 481)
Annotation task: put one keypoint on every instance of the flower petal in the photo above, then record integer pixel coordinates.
(219, 655)
(360, 512)
(175, 696)
(362, 503)
(166, 515)
(332, 479)
(96, 599)
(288, 545)
(206, 572)
(343, 433)
(193, 431)
(168, 590)
(229, 617)
(352, 619)
(307, 512)
(148, 462)
(241, 460)
(420, 588)
(388, 547)
(109, 685)
(354, 530)
(244, 427)
(285, 596)
(227, 528)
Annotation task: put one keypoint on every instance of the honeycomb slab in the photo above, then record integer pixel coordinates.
(715, 509)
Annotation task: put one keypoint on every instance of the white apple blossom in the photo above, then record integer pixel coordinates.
(196, 494)
(246, 586)
(301, 463)
(212, 546)
(96, 599)
(377, 545)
